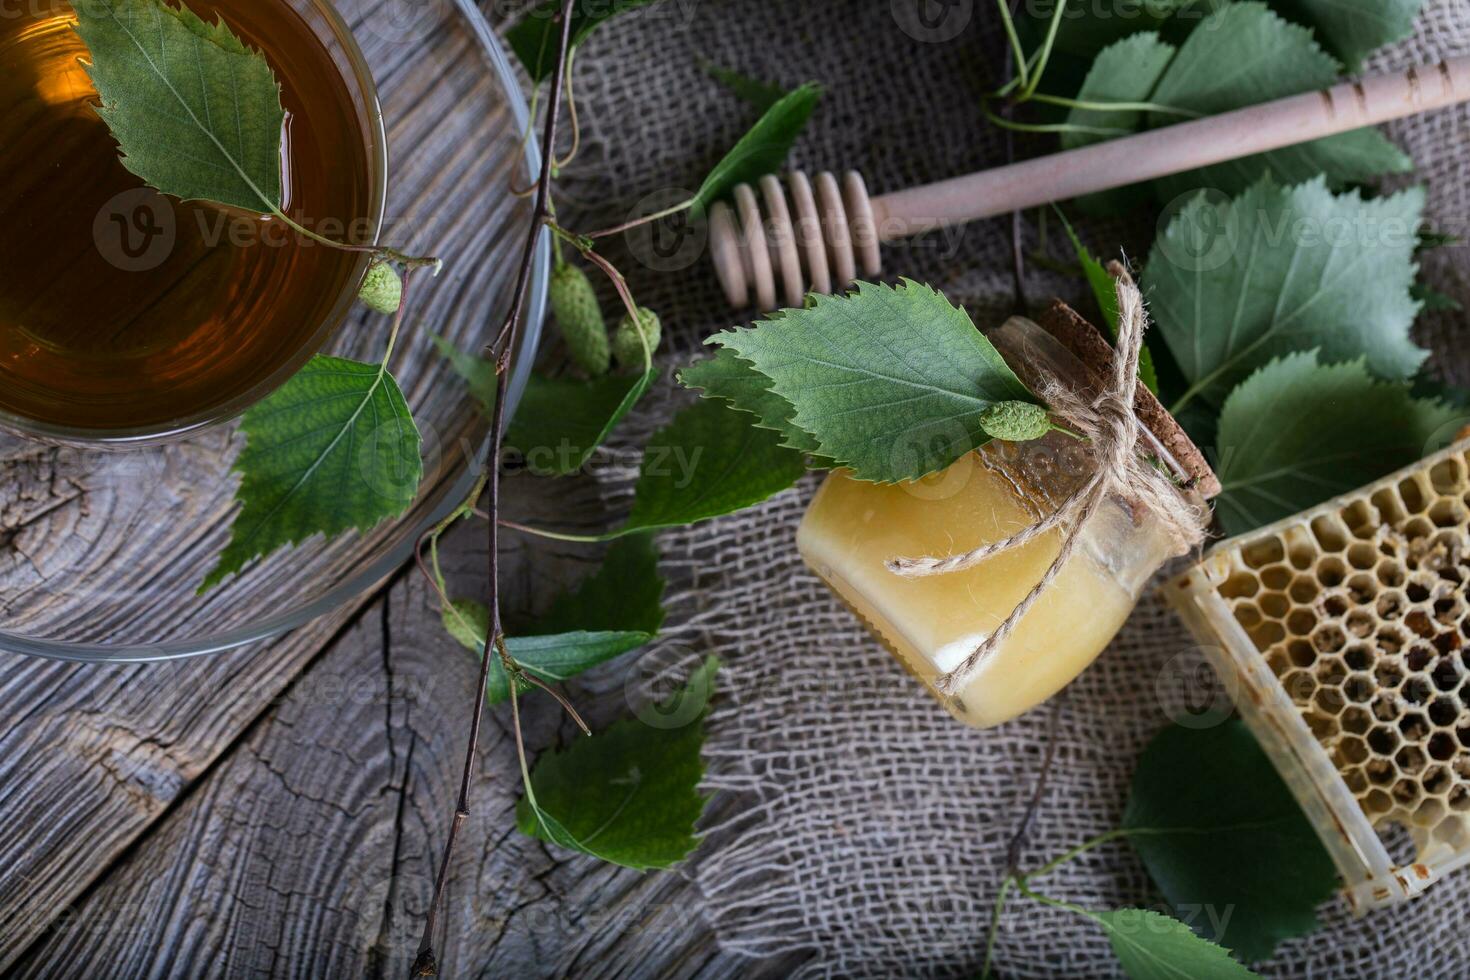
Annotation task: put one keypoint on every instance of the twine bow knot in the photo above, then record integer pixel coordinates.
(1109, 423)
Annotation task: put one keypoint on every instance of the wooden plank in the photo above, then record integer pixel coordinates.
(95, 754)
(310, 849)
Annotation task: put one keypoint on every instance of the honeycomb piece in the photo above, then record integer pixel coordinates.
(1358, 608)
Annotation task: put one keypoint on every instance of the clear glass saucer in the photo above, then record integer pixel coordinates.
(101, 551)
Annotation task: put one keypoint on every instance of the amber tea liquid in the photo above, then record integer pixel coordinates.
(124, 310)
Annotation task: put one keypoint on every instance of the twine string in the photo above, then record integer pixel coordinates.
(1110, 424)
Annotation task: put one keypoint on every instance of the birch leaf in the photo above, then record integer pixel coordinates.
(1233, 284)
(334, 448)
(1297, 433)
(890, 381)
(195, 112)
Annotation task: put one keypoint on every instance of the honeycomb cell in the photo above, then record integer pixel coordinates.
(1247, 615)
(1447, 513)
(1417, 527)
(1390, 572)
(1300, 653)
(1410, 759)
(1240, 586)
(1443, 713)
(1361, 518)
(1329, 700)
(1414, 726)
(1356, 721)
(1383, 740)
(1352, 750)
(1388, 675)
(1262, 552)
(1390, 507)
(1435, 780)
(1304, 589)
(1407, 793)
(1412, 496)
(1391, 604)
(1330, 533)
(1447, 673)
(1299, 685)
(1387, 707)
(1447, 476)
(1442, 746)
(1276, 578)
(1329, 638)
(1360, 622)
(1419, 657)
(1332, 571)
(1275, 605)
(1362, 555)
(1267, 634)
(1390, 641)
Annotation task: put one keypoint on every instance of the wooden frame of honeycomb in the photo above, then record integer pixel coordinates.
(1343, 636)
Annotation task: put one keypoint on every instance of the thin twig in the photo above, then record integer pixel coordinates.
(425, 963)
(1017, 847)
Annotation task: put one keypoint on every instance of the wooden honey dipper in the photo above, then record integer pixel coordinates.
(817, 235)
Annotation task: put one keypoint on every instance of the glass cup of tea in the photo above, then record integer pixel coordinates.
(128, 317)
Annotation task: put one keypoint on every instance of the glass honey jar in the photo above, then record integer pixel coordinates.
(931, 624)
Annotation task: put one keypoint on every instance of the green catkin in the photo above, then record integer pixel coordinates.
(626, 345)
(382, 290)
(574, 302)
(1015, 421)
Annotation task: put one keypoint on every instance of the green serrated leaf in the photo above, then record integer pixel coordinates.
(1232, 284)
(760, 94)
(890, 381)
(617, 609)
(196, 113)
(553, 657)
(558, 656)
(763, 149)
(536, 37)
(1241, 55)
(561, 422)
(629, 795)
(333, 448)
(711, 460)
(467, 620)
(1151, 946)
(1219, 831)
(1354, 28)
(1126, 71)
(732, 379)
(1297, 433)
(625, 593)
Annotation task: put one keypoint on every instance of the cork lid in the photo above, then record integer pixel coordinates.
(1173, 446)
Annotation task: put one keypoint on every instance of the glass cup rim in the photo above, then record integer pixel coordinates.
(138, 437)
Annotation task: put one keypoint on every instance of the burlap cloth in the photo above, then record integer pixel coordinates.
(870, 830)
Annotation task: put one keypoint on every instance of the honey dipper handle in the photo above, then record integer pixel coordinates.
(1172, 149)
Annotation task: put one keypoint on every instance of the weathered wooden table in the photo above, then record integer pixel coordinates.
(281, 809)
